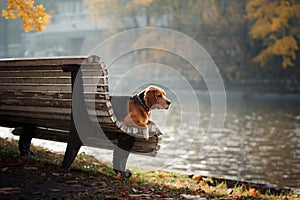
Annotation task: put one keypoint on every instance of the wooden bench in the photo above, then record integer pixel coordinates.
(36, 99)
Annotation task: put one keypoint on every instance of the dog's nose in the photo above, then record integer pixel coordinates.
(168, 102)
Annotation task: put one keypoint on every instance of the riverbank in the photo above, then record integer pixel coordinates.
(40, 178)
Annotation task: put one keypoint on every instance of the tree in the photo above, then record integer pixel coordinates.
(223, 30)
(33, 17)
(119, 14)
(276, 25)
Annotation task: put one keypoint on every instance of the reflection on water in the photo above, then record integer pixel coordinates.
(260, 140)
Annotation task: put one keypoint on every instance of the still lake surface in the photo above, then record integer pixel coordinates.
(260, 139)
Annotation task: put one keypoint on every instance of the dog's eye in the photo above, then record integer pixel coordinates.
(159, 95)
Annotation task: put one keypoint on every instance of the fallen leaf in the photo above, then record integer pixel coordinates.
(115, 198)
(118, 175)
(10, 190)
(165, 187)
(54, 190)
(160, 175)
(253, 192)
(161, 194)
(71, 182)
(76, 186)
(134, 190)
(4, 169)
(196, 177)
(30, 168)
(199, 190)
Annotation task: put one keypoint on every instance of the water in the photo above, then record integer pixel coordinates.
(260, 140)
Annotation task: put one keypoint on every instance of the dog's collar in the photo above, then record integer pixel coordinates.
(139, 100)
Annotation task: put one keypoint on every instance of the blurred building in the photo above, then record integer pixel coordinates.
(70, 32)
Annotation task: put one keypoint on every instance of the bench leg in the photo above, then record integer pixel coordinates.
(121, 154)
(25, 140)
(73, 147)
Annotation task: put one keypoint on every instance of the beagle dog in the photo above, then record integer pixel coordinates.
(140, 106)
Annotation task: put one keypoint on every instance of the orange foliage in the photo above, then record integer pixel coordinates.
(33, 17)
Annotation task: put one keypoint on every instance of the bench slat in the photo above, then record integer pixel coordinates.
(40, 95)
(36, 87)
(35, 115)
(27, 68)
(48, 134)
(100, 113)
(35, 109)
(26, 104)
(19, 62)
(46, 122)
(35, 80)
(58, 103)
(32, 73)
(138, 147)
(35, 95)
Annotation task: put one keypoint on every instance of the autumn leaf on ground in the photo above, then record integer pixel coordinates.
(118, 175)
(10, 190)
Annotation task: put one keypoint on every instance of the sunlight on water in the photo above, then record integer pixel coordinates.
(260, 142)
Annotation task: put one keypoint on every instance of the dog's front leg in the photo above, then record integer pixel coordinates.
(146, 133)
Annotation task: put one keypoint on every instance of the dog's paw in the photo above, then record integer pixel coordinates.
(146, 133)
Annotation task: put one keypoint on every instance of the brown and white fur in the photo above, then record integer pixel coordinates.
(140, 106)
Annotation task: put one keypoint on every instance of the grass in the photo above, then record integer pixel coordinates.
(93, 179)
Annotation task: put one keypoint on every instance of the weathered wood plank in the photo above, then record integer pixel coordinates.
(47, 134)
(19, 62)
(35, 109)
(111, 119)
(54, 123)
(35, 73)
(39, 95)
(96, 96)
(39, 103)
(36, 102)
(33, 116)
(36, 87)
(34, 80)
(100, 113)
(102, 105)
(111, 144)
(28, 68)
(95, 80)
(89, 73)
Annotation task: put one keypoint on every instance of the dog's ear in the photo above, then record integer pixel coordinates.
(150, 96)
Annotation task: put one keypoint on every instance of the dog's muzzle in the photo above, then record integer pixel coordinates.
(168, 104)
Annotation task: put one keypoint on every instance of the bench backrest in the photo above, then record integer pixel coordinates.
(39, 91)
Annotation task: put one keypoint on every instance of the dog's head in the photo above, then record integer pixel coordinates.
(155, 98)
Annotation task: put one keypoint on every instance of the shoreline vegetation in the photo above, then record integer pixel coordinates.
(40, 178)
